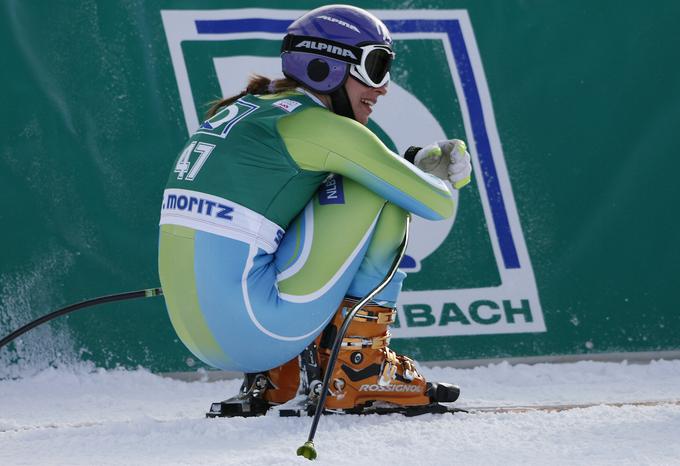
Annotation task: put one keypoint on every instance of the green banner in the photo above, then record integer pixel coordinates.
(565, 243)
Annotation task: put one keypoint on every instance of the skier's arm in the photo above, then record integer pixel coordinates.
(321, 141)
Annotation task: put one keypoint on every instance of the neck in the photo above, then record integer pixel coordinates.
(325, 99)
(321, 99)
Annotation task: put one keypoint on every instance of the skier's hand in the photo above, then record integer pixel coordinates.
(447, 160)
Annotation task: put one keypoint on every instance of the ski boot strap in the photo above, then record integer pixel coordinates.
(392, 362)
(382, 318)
(408, 368)
(350, 343)
(372, 312)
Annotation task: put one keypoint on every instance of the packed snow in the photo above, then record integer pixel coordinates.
(86, 416)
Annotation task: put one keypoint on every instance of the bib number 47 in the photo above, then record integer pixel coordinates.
(185, 168)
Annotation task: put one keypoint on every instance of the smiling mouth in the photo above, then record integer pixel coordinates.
(368, 104)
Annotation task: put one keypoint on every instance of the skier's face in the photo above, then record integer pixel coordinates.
(363, 98)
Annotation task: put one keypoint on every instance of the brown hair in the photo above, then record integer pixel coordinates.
(257, 85)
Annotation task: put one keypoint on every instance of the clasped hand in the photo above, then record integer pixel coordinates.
(447, 160)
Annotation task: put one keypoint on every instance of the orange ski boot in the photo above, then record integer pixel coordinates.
(369, 374)
(260, 391)
(283, 382)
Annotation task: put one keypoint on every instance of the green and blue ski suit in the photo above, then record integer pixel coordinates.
(276, 209)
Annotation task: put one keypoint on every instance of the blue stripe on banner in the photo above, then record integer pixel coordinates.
(230, 26)
(474, 105)
(476, 112)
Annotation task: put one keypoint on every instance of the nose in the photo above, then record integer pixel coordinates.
(382, 90)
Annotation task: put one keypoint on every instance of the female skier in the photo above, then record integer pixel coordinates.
(283, 209)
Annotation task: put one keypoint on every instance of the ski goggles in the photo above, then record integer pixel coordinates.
(370, 63)
(374, 69)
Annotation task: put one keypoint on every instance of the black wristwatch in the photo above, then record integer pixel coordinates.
(411, 152)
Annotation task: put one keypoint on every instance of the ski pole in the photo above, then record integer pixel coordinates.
(147, 293)
(307, 449)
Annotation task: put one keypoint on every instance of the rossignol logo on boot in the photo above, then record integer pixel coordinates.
(323, 47)
(389, 388)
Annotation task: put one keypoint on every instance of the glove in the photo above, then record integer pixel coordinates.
(447, 160)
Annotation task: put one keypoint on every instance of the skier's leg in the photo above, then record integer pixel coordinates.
(320, 241)
(367, 370)
(325, 246)
(384, 246)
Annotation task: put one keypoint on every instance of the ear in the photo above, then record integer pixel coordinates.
(318, 69)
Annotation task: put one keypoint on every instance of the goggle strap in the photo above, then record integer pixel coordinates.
(324, 47)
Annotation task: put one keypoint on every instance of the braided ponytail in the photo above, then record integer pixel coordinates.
(257, 85)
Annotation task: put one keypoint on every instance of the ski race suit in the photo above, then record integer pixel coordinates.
(276, 209)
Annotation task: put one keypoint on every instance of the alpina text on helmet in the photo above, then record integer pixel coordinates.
(341, 23)
(321, 46)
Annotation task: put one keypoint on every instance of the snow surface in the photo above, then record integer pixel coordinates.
(86, 416)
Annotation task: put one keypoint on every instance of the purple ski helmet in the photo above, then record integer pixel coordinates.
(328, 44)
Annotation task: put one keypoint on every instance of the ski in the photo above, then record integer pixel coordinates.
(564, 406)
(408, 411)
(300, 408)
